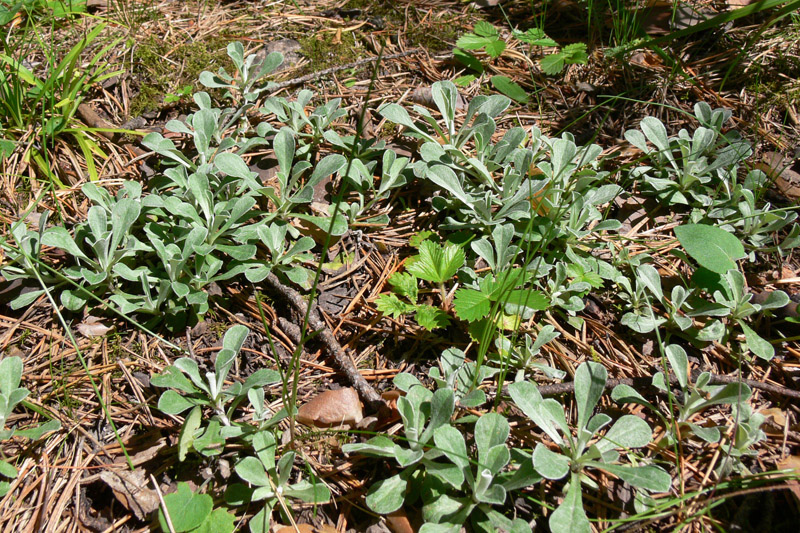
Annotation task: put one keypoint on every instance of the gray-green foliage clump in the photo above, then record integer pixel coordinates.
(206, 217)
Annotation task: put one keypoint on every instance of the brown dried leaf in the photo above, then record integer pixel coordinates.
(92, 327)
(398, 522)
(130, 488)
(339, 407)
(792, 462)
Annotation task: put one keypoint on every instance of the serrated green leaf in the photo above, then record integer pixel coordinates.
(471, 305)
(404, 284)
(430, 317)
(390, 304)
(436, 263)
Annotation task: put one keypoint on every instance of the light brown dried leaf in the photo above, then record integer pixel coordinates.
(340, 407)
(132, 491)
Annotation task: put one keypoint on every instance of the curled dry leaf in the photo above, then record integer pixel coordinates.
(132, 491)
(424, 96)
(91, 327)
(340, 407)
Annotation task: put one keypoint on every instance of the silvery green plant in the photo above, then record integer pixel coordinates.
(465, 378)
(487, 183)
(295, 188)
(310, 130)
(522, 355)
(268, 480)
(209, 391)
(104, 246)
(732, 301)
(746, 435)
(465, 489)
(11, 394)
(643, 293)
(587, 448)
(690, 169)
(694, 398)
(753, 220)
(422, 412)
(23, 260)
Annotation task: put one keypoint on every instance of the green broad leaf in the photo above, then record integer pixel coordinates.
(10, 375)
(387, 495)
(431, 318)
(308, 492)
(575, 53)
(510, 88)
(647, 477)
(469, 61)
(190, 425)
(8, 470)
(390, 304)
(590, 381)
(485, 29)
(534, 37)
(471, 305)
(711, 246)
(549, 464)
(336, 226)
(404, 284)
(570, 516)
(219, 521)
(494, 48)
(552, 64)
(528, 398)
(436, 263)
(527, 298)
(173, 403)
(470, 41)
(756, 343)
(186, 509)
(629, 432)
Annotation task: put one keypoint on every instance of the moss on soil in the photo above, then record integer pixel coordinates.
(160, 74)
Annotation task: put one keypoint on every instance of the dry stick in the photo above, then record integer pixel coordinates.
(322, 73)
(332, 346)
(564, 388)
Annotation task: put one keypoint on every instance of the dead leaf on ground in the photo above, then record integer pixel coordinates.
(92, 327)
(340, 407)
(792, 462)
(398, 522)
(784, 172)
(132, 491)
(424, 96)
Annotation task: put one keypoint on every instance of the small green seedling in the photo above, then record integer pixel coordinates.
(268, 481)
(577, 453)
(194, 513)
(11, 394)
(209, 391)
(694, 398)
(422, 412)
(483, 481)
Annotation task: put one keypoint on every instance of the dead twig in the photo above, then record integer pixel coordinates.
(332, 70)
(332, 346)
